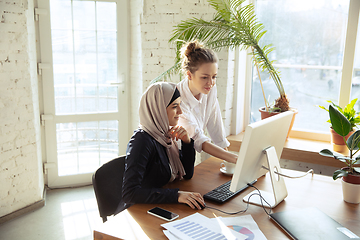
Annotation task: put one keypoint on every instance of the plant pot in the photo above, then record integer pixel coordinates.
(337, 139)
(351, 178)
(351, 192)
(351, 188)
(338, 142)
(266, 114)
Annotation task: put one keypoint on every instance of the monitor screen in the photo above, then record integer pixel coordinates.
(259, 137)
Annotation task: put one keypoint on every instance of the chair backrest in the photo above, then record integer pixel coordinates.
(107, 182)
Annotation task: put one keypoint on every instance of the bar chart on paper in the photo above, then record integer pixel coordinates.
(197, 226)
(196, 231)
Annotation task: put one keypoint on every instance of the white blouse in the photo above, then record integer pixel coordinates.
(198, 115)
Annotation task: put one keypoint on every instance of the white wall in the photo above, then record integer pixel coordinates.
(136, 68)
(151, 23)
(21, 174)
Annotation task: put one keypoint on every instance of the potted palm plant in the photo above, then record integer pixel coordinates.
(233, 26)
(350, 173)
(351, 115)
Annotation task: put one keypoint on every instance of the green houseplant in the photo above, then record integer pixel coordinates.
(233, 26)
(350, 174)
(349, 112)
(351, 115)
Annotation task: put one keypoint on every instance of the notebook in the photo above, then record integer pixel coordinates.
(311, 224)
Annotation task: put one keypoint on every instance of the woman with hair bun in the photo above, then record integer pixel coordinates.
(200, 107)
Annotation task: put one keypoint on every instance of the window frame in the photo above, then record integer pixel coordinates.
(50, 118)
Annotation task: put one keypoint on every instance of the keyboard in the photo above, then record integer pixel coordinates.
(222, 192)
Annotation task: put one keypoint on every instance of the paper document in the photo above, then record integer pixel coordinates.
(243, 224)
(170, 236)
(197, 226)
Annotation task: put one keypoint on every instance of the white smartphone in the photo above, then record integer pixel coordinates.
(163, 214)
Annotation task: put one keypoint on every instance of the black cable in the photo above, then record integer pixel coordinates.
(247, 205)
(261, 199)
(230, 213)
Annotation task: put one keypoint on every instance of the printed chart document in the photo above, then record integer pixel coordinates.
(197, 226)
(243, 224)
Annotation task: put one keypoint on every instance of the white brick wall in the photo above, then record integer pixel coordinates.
(159, 17)
(20, 156)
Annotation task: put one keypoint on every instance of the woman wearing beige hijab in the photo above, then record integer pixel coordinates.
(152, 157)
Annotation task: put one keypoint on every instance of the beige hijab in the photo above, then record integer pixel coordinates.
(154, 120)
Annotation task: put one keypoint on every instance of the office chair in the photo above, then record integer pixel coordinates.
(107, 182)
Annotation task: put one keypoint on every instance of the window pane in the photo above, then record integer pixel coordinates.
(309, 39)
(63, 69)
(355, 86)
(84, 56)
(84, 15)
(106, 15)
(84, 146)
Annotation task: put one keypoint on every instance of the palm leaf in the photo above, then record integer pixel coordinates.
(233, 26)
(167, 74)
(206, 31)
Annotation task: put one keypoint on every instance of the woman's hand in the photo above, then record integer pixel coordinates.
(192, 199)
(178, 132)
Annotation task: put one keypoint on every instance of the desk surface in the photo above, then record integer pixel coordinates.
(317, 191)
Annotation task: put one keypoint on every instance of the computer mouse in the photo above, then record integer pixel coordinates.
(202, 207)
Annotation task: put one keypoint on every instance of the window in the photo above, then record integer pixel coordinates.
(85, 45)
(84, 38)
(309, 37)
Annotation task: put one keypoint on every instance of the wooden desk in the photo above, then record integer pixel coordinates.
(318, 191)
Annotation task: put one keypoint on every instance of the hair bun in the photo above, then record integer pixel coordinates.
(191, 47)
(193, 54)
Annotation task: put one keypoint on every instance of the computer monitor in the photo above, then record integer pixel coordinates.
(262, 145)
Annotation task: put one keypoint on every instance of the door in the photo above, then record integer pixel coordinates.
(84, 86)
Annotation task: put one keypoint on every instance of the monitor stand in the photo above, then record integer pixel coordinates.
(278, 184)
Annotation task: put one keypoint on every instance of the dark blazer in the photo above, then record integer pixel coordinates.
(147, 170)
